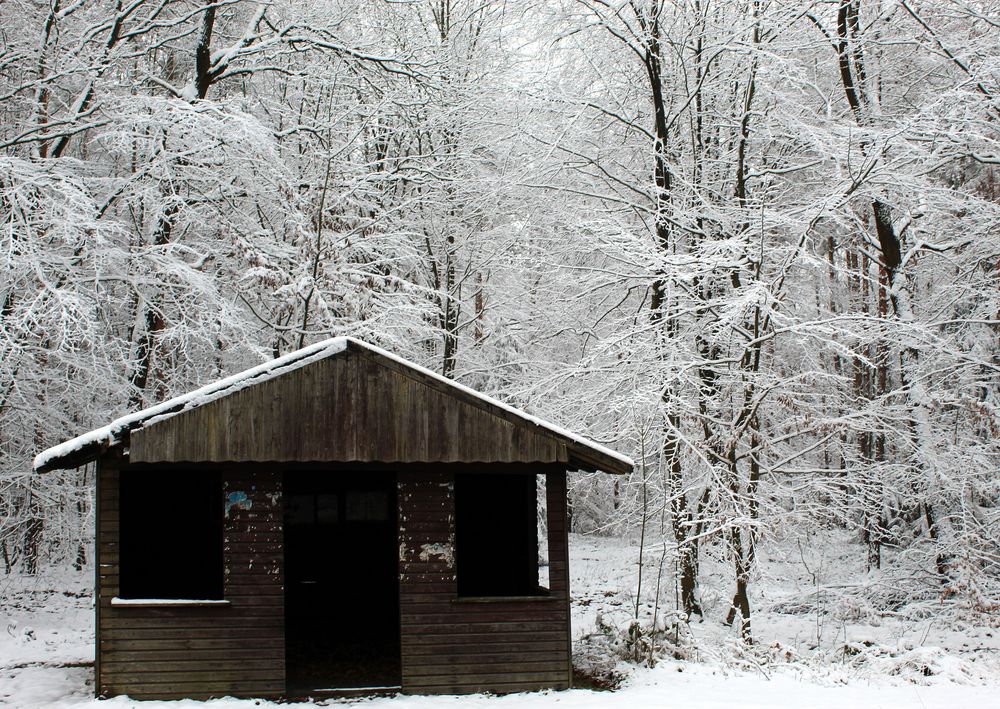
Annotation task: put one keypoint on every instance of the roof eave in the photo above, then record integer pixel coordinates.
(79, 457)
(581, 455)
(590, 460)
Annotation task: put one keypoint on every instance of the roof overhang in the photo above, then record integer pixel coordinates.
(581, 453)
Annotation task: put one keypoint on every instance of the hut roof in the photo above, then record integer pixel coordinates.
(576, 450)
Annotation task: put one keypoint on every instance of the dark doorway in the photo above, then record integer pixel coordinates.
(341, 581)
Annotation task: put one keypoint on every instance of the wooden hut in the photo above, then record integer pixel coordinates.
(336, 519)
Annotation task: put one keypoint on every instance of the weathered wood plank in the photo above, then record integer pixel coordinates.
(248, 667)
(458, 655)
(436, 615)
(176, 685)
(476, 687)
(477, 670)
(147, 678)
(183, 646)
(486, 679)
(174, 634)
(275, 691)
(350, 407)
(423, 596)
(499, 640)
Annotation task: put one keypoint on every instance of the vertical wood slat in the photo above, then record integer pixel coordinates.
(556, 504)
(346, 408)
(103, 479)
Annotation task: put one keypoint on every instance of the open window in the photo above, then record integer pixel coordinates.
(170, 535)
(497, 535)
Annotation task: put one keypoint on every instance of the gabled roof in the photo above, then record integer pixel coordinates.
(519, 427)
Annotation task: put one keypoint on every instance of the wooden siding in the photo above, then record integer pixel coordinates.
(352, 407)
(198, 652)
(452, 645)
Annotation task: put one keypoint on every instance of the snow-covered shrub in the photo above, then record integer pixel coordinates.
(604, 658)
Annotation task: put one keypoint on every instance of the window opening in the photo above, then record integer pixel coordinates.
(170, 535)
(333, 508)
(497, 534)
(299, 509)
(327, 509)
(367, 506)
(542, 516)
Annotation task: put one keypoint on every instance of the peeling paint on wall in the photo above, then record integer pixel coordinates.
(441, 552)
(239, 500)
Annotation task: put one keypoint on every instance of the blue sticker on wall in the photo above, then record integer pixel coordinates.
(239, 500)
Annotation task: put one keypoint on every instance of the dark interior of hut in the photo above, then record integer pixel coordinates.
(341, 582)
(496, 535)
(154, 547)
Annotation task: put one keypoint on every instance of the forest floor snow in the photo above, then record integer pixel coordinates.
(833, 654)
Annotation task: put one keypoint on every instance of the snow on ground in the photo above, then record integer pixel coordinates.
(698, 687)
(46, 640)
(837, 658)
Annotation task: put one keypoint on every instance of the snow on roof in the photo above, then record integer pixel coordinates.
(111, 434)
(550, 427)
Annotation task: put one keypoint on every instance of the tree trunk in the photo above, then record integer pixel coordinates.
(34, 523)
(741, 599)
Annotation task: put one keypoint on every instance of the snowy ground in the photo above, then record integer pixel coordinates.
(840, 657)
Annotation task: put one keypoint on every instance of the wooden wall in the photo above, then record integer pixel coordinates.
(350, 408)
(452, 645)
(198, 652)
(448, 645)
